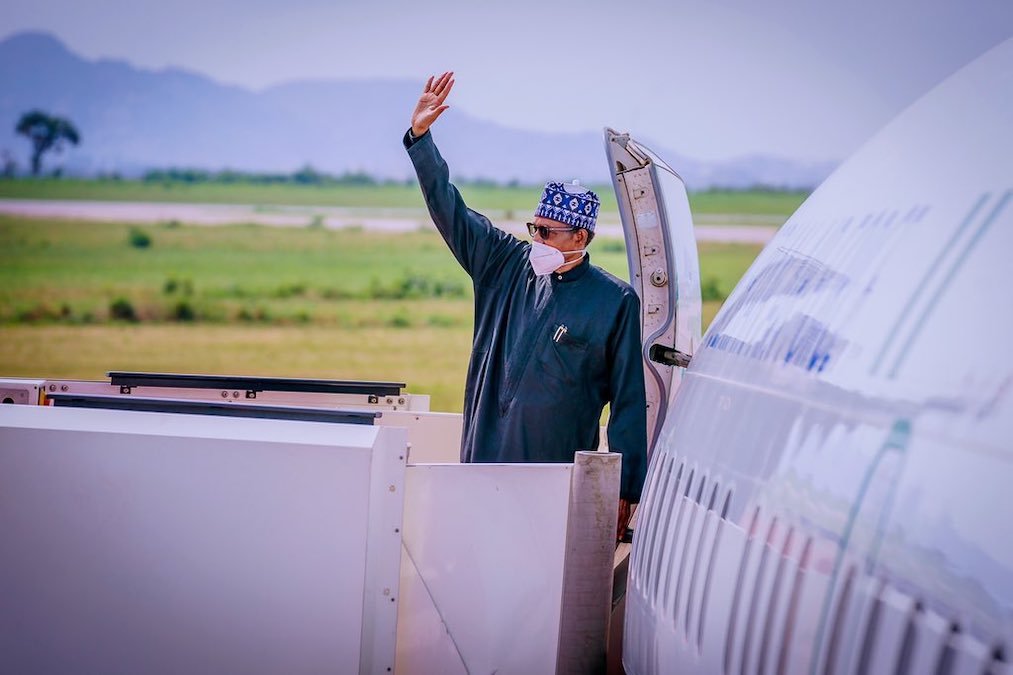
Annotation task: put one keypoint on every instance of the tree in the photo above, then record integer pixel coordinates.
(46, 133)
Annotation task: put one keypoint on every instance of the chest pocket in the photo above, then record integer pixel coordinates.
(568, 358)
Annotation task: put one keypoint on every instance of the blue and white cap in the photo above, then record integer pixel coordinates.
(569, 203)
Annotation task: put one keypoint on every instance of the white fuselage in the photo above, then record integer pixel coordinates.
(831, 489)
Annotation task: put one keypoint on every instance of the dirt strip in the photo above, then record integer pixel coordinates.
(743, 229)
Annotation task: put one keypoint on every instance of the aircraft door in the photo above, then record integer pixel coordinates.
(664, 267)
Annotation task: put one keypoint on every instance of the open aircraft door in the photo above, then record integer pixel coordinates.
(664, 268)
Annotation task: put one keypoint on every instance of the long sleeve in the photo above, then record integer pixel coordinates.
(627, 426)
(478, 246)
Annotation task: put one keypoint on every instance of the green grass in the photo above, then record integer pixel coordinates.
(520, 199)
(431, 361)
(751, 202)
(253, 299)
(253, 272)
(66, 261)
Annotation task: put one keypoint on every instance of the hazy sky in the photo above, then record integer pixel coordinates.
(807, 79)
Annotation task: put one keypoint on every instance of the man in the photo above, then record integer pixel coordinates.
(555, 337)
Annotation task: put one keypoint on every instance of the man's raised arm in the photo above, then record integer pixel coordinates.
(476, 244)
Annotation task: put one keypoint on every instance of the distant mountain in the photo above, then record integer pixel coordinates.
(133, 119)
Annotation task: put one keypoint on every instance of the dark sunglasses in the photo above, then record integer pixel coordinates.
(544, 230)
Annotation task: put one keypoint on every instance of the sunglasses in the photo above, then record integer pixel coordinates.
(544, 230)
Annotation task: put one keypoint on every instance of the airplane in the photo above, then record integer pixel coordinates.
(827, 483)
(830, 482)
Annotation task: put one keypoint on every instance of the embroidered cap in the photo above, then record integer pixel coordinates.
(569, 203)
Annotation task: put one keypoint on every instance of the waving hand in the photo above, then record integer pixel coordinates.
(430, 105)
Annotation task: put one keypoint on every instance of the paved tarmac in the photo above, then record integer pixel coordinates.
(710, 228)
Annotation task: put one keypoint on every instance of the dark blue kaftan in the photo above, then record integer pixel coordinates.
(535, 391)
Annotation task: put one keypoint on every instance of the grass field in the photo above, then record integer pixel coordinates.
(253, 300)
(399, 196)
(432, 360)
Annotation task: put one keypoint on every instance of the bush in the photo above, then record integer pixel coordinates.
(139, 238)
(290, 290)
(336, 294)
(172, 284)
(259, 314)
(449, 289)
(37, 312)
(308, 176)
(122, 309)
(710, 290)
(400, 320)
(441, 321)
(414, 286)
(184, 311)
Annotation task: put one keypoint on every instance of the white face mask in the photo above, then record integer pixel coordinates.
(544, 259)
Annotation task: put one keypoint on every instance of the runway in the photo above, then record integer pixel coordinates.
(717, 228)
